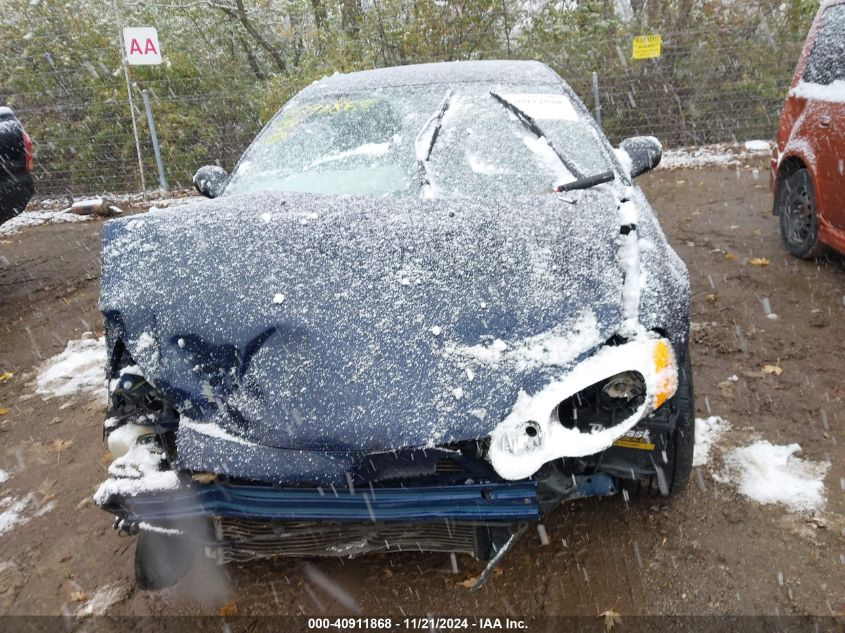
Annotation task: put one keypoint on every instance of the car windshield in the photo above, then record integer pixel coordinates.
(468, 140)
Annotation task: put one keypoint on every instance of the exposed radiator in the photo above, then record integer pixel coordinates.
(241, 540)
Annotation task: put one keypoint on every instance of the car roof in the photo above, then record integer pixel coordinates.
(505, 71)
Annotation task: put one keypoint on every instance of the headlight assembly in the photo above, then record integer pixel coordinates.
(583, 412)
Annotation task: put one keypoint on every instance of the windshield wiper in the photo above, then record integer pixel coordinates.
(535, 129)
(587, 182)
(424, 146)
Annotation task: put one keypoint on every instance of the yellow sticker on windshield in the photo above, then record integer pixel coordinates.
(293, 116)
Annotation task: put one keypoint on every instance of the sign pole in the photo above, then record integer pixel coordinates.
(162, 181)
(129, 94)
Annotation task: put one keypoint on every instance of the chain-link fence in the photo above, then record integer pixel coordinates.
(228, 64)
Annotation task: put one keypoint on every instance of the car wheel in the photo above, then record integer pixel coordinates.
(161, 560)
(799, 223)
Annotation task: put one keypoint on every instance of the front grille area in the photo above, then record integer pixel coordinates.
(239, 540)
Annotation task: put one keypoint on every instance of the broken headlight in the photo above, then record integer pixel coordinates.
(604, 404)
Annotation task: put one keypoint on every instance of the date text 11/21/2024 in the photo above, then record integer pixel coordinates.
(423, 623)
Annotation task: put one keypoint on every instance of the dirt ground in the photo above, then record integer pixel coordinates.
(709, 551)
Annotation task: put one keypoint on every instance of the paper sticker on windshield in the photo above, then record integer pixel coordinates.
(544, 107)
(294, 116)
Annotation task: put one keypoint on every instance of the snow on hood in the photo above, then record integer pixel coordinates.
(336, 323)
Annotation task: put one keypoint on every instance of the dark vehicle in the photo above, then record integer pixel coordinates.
(808, 164)
(428, 306)
(16, 186)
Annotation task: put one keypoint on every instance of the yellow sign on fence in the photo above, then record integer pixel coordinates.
(647, 46)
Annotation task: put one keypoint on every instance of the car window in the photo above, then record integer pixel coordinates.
(826, 62)
(369, 143)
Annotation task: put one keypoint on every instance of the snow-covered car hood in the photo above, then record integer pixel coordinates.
(333, 323)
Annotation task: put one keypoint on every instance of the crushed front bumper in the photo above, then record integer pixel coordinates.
(509, 502)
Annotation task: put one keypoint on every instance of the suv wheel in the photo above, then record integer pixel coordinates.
(799, 224)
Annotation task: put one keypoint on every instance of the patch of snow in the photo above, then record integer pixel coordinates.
(79, 369)
(541, 148)
(708, 431)
(103, 599)
(834, 92)
(625, 160)
(135, 472)
(4, 476)
(143, 525)
(278, 298)
(742, 155)
(212, 430)
(436, 330)
(557, 346)
(705, 156)
(758, 146)
(37, 218)
(12, 513)
(770, 473)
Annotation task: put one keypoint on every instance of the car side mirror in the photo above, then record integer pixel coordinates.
(210, 180)
(644, 151)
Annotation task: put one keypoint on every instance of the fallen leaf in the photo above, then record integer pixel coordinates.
(758, 261)
(469, 583)
(772, 369)
(388, 573)
(727, 389)
(730, 256)
(60, 446)
(47, 490)
(6, 376)
(3, 411)
(711, 297)
(611, 619)
(78, 596)
(228, 609)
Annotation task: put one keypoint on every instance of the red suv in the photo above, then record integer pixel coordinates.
(808, 164)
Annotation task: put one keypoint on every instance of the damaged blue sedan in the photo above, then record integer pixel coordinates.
(427, 306)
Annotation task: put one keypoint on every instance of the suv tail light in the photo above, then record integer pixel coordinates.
(27, 150)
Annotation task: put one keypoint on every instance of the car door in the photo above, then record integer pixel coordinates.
(823, 85)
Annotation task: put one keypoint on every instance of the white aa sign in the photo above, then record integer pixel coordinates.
(141, 45)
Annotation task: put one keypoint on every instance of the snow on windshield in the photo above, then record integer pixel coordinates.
(369, 144)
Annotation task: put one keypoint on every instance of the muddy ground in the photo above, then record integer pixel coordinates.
(709, 551)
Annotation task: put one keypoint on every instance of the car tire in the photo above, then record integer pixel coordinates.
(795, 204)
(680, 447)
(161, 560)
(682, 442)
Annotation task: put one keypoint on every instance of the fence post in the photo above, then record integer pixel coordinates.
(162, 181)
(596, 100)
